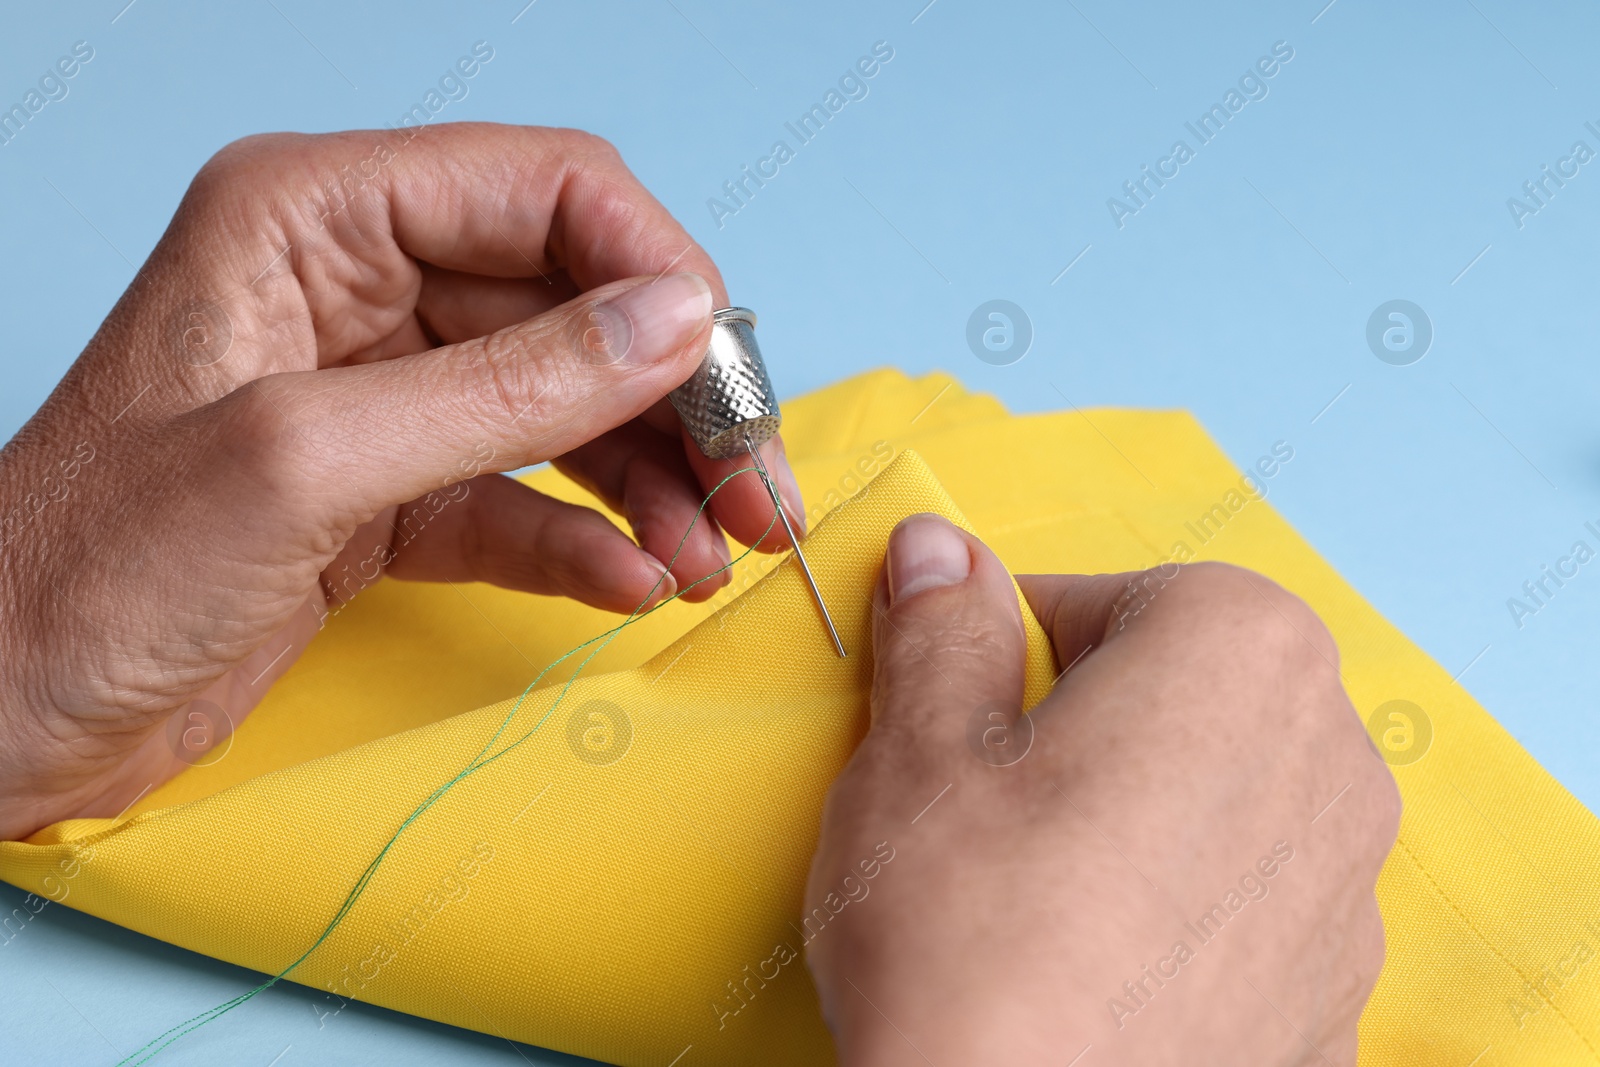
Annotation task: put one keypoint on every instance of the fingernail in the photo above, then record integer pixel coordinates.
(925, 552)
(789, 490)
(651, 321)
(667, 587)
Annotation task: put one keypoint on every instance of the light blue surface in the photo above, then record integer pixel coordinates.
(979, 165)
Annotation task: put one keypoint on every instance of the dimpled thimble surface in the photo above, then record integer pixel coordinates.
(730, 397)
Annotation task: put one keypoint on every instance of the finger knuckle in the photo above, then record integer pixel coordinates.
(983, 640)
(1265, 618)
(242, 153)
(582, 143)
(222, 176)
(260, 430)
(930, 633)
(284, 178)
(618, 204)
(934, 672)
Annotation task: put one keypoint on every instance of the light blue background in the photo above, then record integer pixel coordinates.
(978, 167)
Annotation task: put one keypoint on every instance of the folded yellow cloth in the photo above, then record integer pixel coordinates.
(610, 886)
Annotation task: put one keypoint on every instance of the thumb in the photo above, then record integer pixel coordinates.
(398, 429)
(947, 635)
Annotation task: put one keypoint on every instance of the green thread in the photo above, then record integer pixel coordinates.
(155, 1045)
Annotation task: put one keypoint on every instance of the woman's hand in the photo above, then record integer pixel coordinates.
(311, 383)
(1170, 860)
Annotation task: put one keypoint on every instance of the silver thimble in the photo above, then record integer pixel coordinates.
(729, 398)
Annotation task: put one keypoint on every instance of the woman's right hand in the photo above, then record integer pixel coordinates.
(1178, 867)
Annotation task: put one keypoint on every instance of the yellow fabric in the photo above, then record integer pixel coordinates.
(604, 908)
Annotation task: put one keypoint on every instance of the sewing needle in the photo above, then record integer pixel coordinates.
(772, 487)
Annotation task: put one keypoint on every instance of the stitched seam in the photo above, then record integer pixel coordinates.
(1412, 856)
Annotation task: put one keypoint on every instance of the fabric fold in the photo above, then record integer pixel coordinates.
(626, 883)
